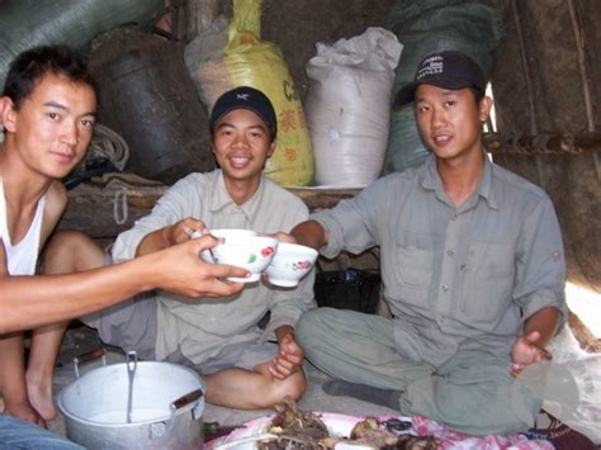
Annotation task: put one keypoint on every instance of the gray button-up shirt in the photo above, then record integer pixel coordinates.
(456, 278)
(200, 329)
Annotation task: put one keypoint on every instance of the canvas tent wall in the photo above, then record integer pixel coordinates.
(548, 99)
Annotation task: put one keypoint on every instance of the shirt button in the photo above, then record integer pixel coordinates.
(445, 287)
(453, 216)
(450, 252)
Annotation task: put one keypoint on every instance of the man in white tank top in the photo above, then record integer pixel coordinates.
(48, 110)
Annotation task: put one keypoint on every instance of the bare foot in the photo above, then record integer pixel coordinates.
(24, 411)
(40, 397)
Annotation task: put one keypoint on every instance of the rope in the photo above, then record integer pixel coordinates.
(107, 144)
(120, 211)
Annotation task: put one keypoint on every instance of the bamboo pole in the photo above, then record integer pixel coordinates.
(580, 50)
(527, 71)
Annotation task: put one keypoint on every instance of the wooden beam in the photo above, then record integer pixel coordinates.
(112, 203)
(543, 144)
(318, 198)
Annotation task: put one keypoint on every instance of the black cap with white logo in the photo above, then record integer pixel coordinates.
(448, 70)
(245, 97)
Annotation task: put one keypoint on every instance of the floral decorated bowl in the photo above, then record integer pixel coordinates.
(290, 264)
(232, 233)
(251, 252)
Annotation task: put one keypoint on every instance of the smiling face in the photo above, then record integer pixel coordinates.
(51, 130)
(450, 121)
(241, 145)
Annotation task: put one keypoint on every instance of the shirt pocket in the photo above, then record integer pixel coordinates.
(412, 273)
(488, 282)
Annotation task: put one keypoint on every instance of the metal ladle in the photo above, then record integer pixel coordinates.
(132, 364)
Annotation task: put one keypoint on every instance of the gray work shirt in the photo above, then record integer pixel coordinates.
(456, 278)
(200, 329)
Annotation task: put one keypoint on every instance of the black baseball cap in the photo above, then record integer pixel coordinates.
(245, 97)
(449, 70)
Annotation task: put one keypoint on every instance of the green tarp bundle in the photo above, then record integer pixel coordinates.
(29, 23)
(424, 27)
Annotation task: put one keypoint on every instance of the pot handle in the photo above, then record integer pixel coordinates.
(159, 429)
(184, 401)
(89, 356)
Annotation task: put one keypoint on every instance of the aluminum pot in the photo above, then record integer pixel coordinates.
(135, 405)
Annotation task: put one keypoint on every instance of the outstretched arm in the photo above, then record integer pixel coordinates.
(170, 235)
(30, 301)
(311, 234)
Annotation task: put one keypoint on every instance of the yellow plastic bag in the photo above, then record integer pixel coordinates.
(252, 62)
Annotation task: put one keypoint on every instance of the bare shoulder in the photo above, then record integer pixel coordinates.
(56, 198)
(56, 202)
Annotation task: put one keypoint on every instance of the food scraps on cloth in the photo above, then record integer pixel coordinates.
(294, 429)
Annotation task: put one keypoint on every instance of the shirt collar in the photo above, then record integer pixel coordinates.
(220, 197)
(431, 181)
(485, 188)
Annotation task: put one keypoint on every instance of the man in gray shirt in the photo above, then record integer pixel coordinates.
(472, 268)
(243, 366)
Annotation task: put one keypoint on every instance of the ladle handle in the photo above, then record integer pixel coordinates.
(132, 365)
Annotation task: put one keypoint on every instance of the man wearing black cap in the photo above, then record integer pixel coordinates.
(472, 267)
(241, 367)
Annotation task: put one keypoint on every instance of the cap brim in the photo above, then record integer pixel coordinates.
(407, 94)
(231, 108)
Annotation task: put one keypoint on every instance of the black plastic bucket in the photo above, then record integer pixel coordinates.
(352, 289)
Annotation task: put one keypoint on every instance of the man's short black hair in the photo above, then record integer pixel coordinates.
(478, 95)
(30, 66)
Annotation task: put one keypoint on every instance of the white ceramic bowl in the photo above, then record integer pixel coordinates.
(253, 253)
(232, 233)
(290, 264)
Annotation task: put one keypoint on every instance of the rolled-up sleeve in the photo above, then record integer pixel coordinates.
(352, 224)
(541, 273)
(287, 305)
(169, 209)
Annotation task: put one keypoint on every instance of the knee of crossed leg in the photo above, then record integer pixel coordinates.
(69, 251)
(292, 387)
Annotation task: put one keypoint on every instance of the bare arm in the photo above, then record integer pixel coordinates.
(170, 235)
(311, 234)
(544, 322)
(31, 301)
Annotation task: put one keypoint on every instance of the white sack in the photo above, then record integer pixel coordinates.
(348, 106)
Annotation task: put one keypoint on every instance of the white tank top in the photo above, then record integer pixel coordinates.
(22, 258)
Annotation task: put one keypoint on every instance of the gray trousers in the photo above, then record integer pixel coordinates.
(132, 325)
(473, 392)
